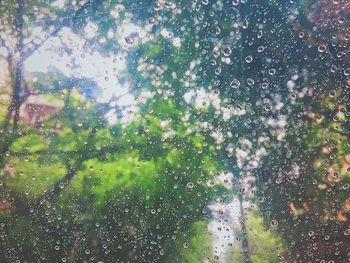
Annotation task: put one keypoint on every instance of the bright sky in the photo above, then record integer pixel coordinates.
(104, 69)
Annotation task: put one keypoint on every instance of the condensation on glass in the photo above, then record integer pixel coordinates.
(174, 131)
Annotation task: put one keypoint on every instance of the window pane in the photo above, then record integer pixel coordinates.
(174, 131)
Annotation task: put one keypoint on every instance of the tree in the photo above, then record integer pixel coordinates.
(63, 160)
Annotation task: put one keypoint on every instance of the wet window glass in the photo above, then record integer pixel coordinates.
(174, 131)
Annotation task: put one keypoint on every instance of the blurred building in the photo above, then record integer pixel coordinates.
(38, 108)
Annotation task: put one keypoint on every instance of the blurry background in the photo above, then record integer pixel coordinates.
(174, 131)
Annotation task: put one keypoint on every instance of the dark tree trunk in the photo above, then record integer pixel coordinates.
(17, 87)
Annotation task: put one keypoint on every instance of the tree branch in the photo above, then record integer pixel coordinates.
(17, 84)
(23, 207)
(90, 153)
(56, 190)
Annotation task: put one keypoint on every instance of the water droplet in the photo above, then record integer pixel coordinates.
(227, 51)
(235, 84)
(129, 40)
(272, 72)
(245, 24)
(189, 185)
(261, 49)
(322, 48)
(250, 82)
(249, 59)
(156, 6)
(265, 85)
(218, 71)
(268, 106)
(332, 93)
(274, 223)
(341, 20)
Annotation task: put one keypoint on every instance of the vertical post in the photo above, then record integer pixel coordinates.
(244, 236)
